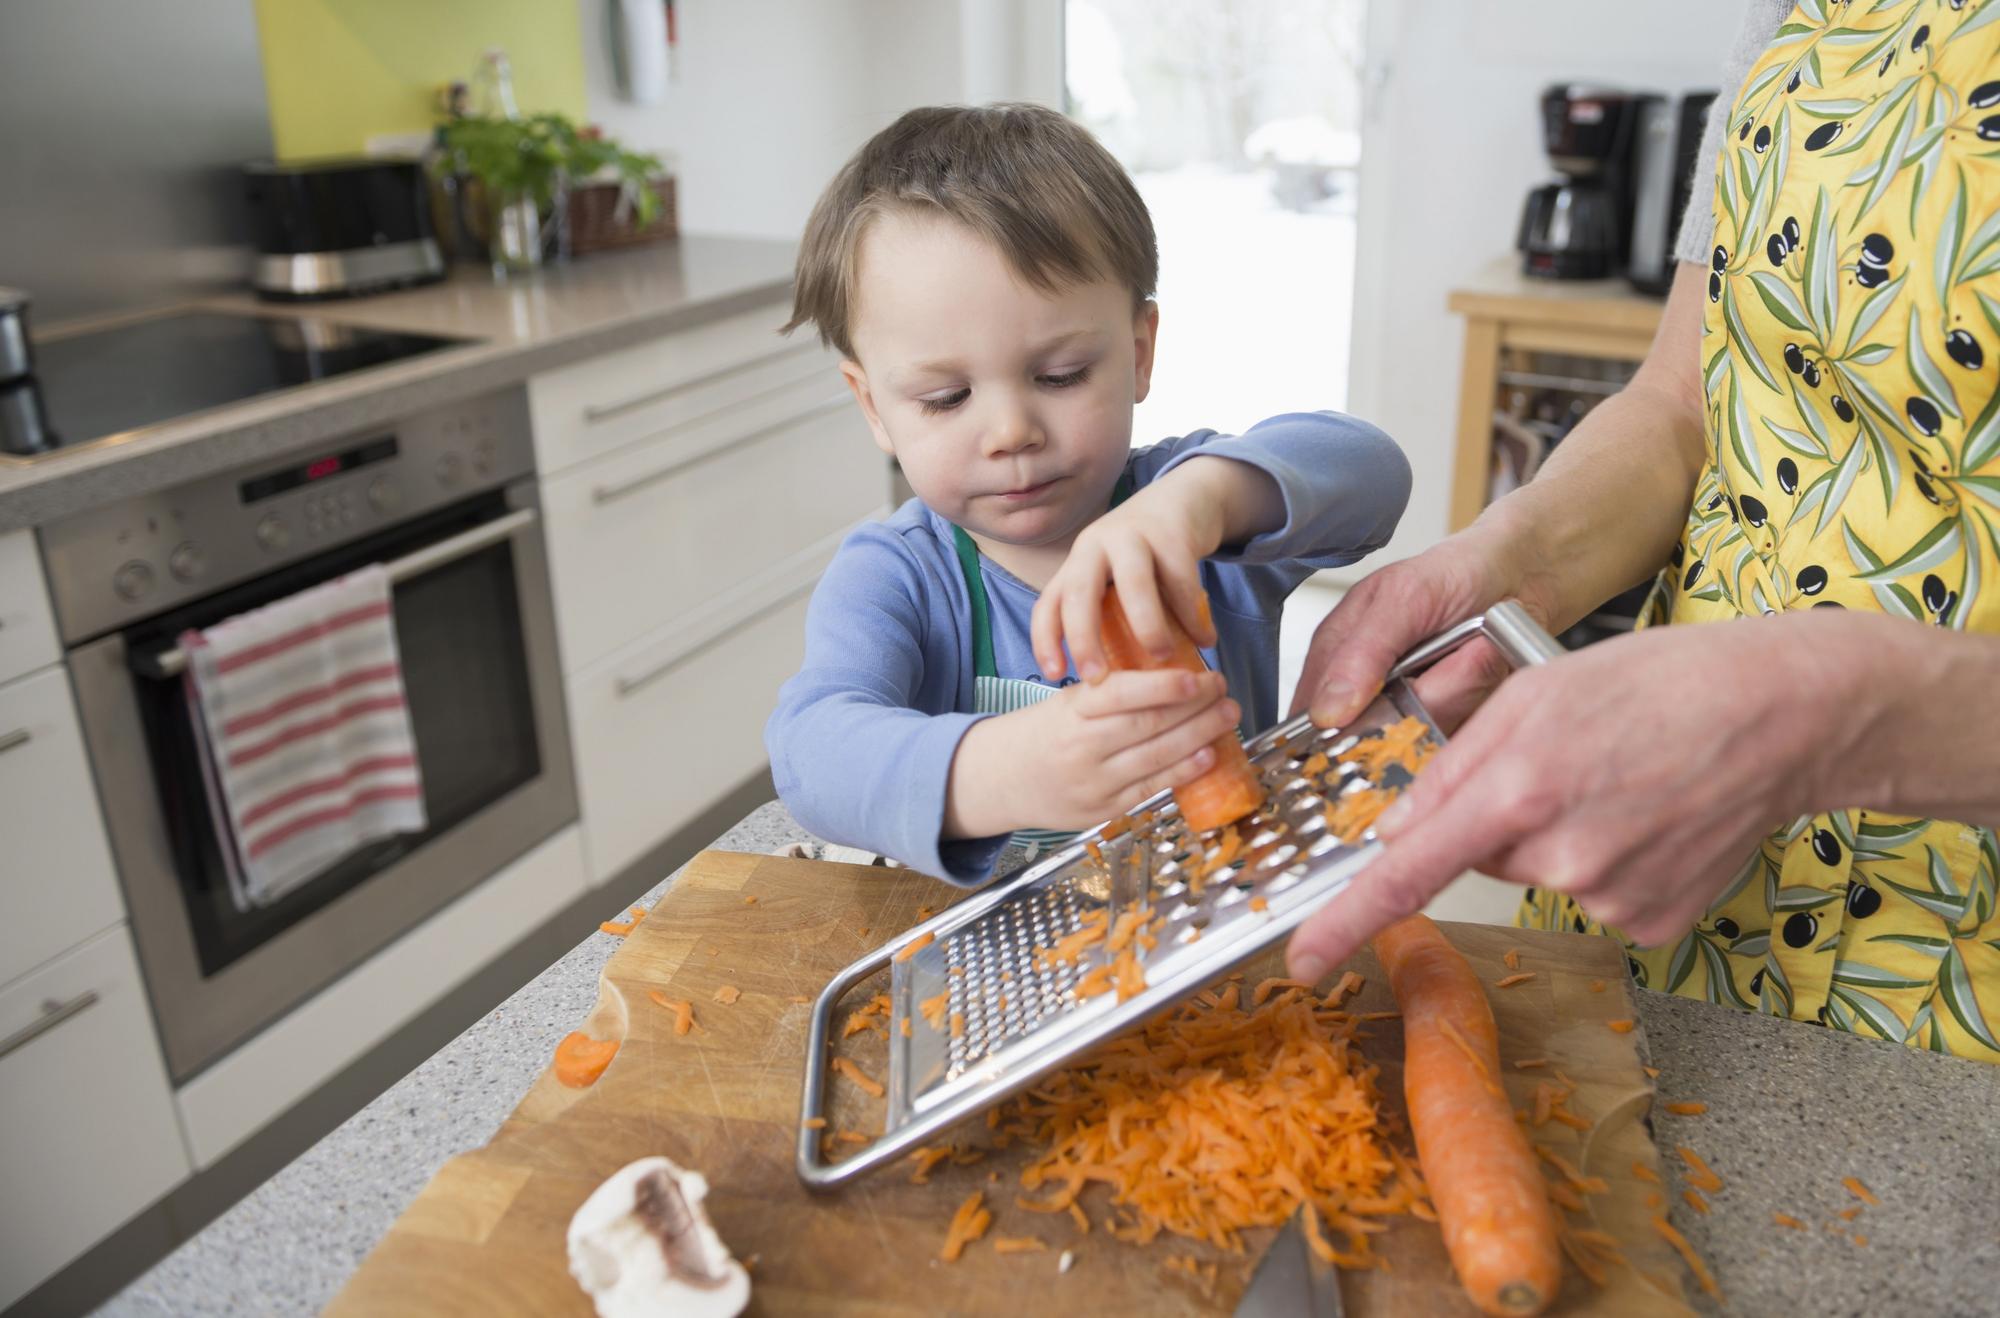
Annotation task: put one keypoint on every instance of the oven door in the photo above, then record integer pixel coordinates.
(476, 637)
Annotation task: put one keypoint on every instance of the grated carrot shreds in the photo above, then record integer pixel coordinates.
(927, 1158)
(1695, 1201)
(1597, 986)
(915, 945)
(1095, 981)
(933, 1009)
(1265, 988)
(1652, 1072)
(1509, 981)
(850, 1137)
(1687, 1109)
(1786, 1219)
(868, 1083)
(1700, 1175)
(1849, 1214)
(905, 1024)
(1561, 1192)
(1512, 958)
(814, 1123)
(1115, 827)
(728, 994)
(683, 1010)
(1081, 1218)
(1259, 904)
(1592, 1270)
(1351, 816)
(1017, 1245)
(1686, 1251)
(1645, 1173)
(1854, 1187)
(1095, 852)
(1619, 1026)
(958, 1025)
(1860, 1240)
(968, 1224)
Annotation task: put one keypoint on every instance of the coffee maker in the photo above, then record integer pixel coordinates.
(1581, 226)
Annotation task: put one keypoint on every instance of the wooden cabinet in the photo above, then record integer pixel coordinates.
(1576, 342)
(57, 882)
(89, 1137)
(694, 488)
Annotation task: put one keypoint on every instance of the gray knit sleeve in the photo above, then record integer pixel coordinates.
(1761, 20)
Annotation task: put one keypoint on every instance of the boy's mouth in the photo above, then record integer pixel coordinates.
(1029, 493)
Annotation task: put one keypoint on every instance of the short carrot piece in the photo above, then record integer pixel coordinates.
(968, 1224)
(682, 1009)
(1512, 958)
(915, 945)
(1666, 1232)
(868, 1083)
(1700, 1175)
(814, 1123)
(728, 994)
(1620, 1026)
(1492, 1205)
(1695, 1201)
(580, 1059)
(1597, 986)
(1687, 1109)
(1018, 1245)
(1509, 981)
(1854, 1187)
(1786, 1219)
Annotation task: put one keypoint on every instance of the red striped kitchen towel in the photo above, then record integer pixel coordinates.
(308, 750)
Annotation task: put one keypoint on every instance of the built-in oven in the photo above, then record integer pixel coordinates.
(446, 502)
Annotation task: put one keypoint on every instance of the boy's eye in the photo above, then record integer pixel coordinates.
(943, 402)
(1067, 378)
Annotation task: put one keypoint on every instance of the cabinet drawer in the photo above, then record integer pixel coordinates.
(90, 1136)
(27, 627)
(599, 406)
(639, 539)
(57, 884)
(667, 729)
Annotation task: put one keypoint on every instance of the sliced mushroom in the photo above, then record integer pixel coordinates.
(642, 1245)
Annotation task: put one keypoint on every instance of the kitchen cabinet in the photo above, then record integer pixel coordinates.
(694, 488)
(89, 1137)
(57, 882)
(27, 625)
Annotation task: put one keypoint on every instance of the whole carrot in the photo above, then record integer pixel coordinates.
(1230, 789)
(1490, 1196)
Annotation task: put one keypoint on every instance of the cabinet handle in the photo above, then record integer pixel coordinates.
(9, 740)
(605, 411)
(612, 493)
(53, 1014)
(625, 686)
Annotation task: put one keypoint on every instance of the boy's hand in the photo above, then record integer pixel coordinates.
(1086, 753)
(1151, 546)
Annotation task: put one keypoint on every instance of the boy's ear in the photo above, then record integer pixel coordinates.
(857, 380)
(1145, 335)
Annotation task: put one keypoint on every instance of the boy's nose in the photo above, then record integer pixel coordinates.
(1012, 429)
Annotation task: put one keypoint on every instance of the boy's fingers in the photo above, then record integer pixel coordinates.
(1045, 634)
(1082, 613)
(1139, 593)
(1175, 743)
(1130, 692)
(1188, 769)
(1189, 603)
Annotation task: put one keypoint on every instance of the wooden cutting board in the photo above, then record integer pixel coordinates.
(487, 1234)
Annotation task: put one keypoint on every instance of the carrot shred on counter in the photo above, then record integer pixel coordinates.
(1642, 1172)
(1849, 1214)
(968, 1224)
(1597, 986)
(926, 1159)
(800, 997)
(580, 1059)
(1786, 1219)
(850, 1137)
(728, 994)
(1687, 1109)
(1695, 1265)
(683, 1010)
(1018, 1245)
(1512, 958)
(1854, 1187)
(1081, 1218)
(1652, 1072)
(905, 1026)
(1695, 1201)
(1619, 1026)
(814, 1123)
(1509, 981)
(1860, 1240)
(915, 945)
(868, 1083)
(1700, 1175)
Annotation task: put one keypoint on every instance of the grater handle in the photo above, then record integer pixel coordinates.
(1506, 624)
(819, 1042)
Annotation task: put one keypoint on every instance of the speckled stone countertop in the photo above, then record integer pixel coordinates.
(594, 305)
(1792, 1109)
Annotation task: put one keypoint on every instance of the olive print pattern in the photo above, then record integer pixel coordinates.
(1850, 351)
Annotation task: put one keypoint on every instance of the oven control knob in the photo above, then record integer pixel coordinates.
(133, 581)
(383, 496)
(187, 561)
(272, 533)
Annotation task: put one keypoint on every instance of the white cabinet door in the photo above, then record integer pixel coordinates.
(27, 626)
(598, 406)
(640, 539)
(57, 884)
(88, 1136)
(669, 726)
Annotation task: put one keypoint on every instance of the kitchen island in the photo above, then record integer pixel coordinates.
(1791, 1111)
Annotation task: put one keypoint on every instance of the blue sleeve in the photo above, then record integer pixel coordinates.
(855, 757)
(1345, 485)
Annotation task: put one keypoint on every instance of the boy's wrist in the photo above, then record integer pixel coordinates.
(1226, 501)
(978, 798)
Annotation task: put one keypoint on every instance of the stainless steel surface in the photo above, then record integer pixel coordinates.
(1291, 1281)
(441, 456)
(734, 444)
(18, 737)
(606, 411)
(125, 127)
(53, 1014)
(16, 359)
(319, 274)
(171, 663)
(985, 948)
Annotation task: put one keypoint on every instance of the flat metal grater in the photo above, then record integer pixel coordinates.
(1011, 1016)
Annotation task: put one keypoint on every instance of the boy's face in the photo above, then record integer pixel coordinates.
(1009, 409)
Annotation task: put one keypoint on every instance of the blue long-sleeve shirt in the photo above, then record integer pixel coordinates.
(863, 736)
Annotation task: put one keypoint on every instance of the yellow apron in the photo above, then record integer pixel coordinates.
(1849, 350)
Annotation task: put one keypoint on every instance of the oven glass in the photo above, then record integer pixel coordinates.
(465, 673)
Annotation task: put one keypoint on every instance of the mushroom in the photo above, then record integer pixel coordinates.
(641, 1245)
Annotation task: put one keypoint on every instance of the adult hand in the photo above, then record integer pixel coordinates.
(1634, 776)
(1389, 611)
(1087, 753)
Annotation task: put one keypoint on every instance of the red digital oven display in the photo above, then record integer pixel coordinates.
(318, 469)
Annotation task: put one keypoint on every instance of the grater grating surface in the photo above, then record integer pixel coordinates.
(1010, 1016)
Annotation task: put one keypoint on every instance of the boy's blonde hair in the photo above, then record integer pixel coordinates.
(1025, 178)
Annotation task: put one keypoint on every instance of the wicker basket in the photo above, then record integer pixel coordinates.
(595, 224)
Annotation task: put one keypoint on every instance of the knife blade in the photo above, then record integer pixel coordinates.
(1291, 1281)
